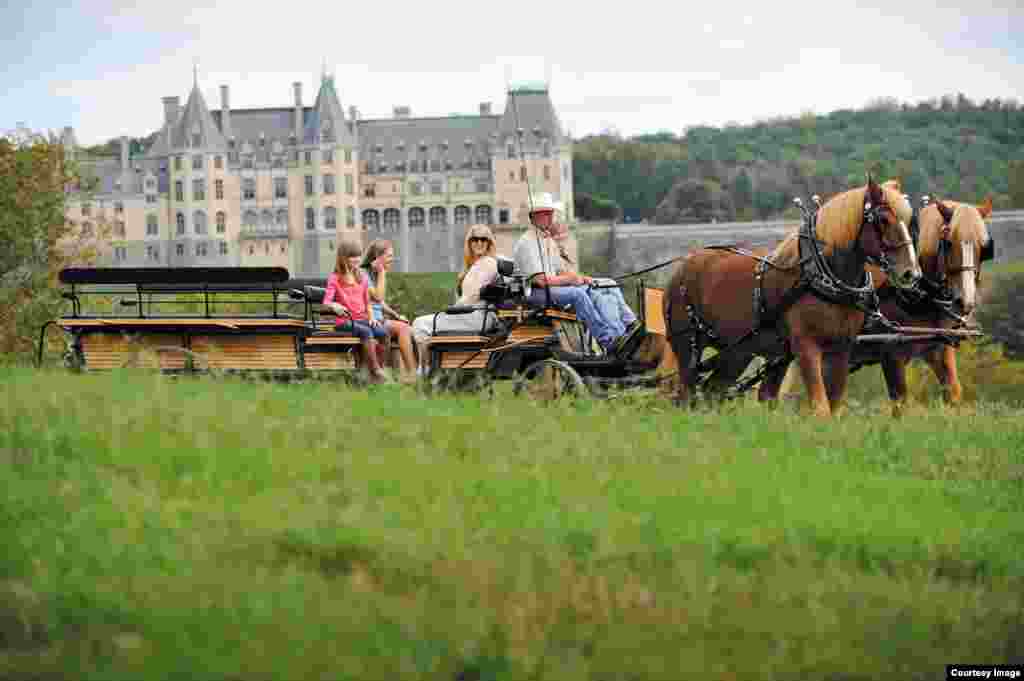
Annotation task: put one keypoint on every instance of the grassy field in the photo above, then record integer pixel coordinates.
(158, 529)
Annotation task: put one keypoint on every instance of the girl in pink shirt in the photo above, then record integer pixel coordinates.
(348, 296)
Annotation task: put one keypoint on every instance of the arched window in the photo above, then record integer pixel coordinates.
(462, 215)
(266, 219)
(282, 218)
(522, 174)
(392, 219)
(350, 218)
(249, 188)
(330, 218)
(371, 219)
(416, 217)
(180, 219)
(222, 220)
(199, 222)
(483, 215)
(310, 218)
(249, 219)
(438, 216)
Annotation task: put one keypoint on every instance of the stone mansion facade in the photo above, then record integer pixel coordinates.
(281, 186)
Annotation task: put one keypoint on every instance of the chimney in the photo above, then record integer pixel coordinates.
(401, 111)
(485, 108)
(170, 110)
(225, 111)
(124, 153)
(297, 129)
(353, 113)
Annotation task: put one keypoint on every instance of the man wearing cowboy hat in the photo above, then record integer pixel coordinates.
(537, 258)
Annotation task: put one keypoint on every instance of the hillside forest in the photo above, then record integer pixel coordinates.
(951, 146)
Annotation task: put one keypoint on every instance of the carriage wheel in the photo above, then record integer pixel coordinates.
(549, 380)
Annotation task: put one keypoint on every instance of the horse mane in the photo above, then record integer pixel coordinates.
(839, 222)
(966, 225)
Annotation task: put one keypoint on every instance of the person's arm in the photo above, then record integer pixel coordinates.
(379, 292)
(366, 302)
(388, 310)
(480, 274)
(328, 302)
(565, 279)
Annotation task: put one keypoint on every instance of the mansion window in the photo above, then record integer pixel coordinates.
(330, 218)
(510, 151)
(201, 249)
(218, 189)
(522, 174)
(249, 219)
(152, 252)
(247, 161)
(349, 185)
(177, 162)
(483, 215)
(309, 158)
(435, 165)
(120, 253)
(199, 222)
(350, 218)
(462, 215)
(309, 185)
(483, 186)
(152, 226)
(180, 250)
(416, 217)
(248, 189)
(197, 162)
(179, 190)
(438, 216)
(198, 190)
(278, 162)
(369, 191)
(180, 220)
(328, 156)
(435, 187)
(218, 162)
(348, 156)
(414, 166)
(310, 219)
(222, 247)
(221, 222)
(282, 219)
(150, 183)
(371, 219)
(328, 184)
(503, 216)
(547, 172)
(118, 207)
(280, 187)
(392, 219)
(150, 198)
(415, 188)
(119, 229)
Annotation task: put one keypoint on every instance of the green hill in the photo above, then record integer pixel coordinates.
(952, 147)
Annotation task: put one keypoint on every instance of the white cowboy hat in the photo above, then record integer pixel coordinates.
(544, 201)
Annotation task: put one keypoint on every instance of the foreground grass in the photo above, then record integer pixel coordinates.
(190, 529)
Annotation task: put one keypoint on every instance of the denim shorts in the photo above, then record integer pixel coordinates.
(362, 330)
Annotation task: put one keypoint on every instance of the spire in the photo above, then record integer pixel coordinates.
(195, 127)
(327, 119)
(195, 74)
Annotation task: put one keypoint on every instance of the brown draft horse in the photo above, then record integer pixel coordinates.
(953, 276)
(746, 306)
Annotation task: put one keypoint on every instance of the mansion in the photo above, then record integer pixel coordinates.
(280, 186)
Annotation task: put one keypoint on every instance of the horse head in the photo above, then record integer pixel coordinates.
(954, 243)
(884, 235)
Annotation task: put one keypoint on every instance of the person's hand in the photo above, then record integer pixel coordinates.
(378, 265)
(403, 318)
(374, 323)
(585, 280)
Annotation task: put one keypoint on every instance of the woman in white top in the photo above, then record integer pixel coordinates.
(480, 268)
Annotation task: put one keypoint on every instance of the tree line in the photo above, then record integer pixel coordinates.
(951, 147)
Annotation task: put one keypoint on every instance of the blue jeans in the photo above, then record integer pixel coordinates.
(585, 311)
(362, 330)
(612, 306)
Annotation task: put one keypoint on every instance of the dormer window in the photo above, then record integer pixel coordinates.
(383, 167)
(444, 145)
(520, 132)
(378, 148)
(263, 140)
(423, 145)
(231, 142)
(400, 145)
(447, 164)
(537, 131)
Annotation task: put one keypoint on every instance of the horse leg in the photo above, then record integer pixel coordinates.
(943, 364)
(771, 384)
(680, 347)
(894, 368)
(809, 354)
(836, 377)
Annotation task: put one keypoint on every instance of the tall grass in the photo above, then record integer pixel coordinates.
(158, 529)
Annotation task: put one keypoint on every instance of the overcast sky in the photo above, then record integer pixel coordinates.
(639, 66)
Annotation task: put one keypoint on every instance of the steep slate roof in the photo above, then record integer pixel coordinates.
(275, 124)
(389, 132)
(108, 171)
(532, 105)
(196, 116)
(327, 109)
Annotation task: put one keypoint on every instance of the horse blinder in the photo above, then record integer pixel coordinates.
(988, 250)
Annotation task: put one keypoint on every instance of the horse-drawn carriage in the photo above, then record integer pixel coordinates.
(258, 321)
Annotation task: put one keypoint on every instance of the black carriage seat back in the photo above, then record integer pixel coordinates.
(311, 294)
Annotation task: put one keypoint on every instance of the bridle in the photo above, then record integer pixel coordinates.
(873, 217)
